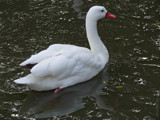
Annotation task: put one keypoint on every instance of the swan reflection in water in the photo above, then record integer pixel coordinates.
(68, 100)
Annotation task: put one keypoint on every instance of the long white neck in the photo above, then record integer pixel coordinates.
(95, 42)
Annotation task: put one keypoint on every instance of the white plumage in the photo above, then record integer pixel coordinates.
(63, 65)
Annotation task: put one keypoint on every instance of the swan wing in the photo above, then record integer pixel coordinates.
(74, 62)
(45, 54)
(52, 66)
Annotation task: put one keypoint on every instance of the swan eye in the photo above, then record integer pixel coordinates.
(102, 10)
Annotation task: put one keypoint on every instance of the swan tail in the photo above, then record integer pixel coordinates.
(29, 79)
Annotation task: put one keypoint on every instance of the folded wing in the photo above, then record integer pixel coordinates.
(74, 62)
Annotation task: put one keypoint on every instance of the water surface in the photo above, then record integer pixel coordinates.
(128, 87)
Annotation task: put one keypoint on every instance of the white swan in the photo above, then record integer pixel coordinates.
(63, 65)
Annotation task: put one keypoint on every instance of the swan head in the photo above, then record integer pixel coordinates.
(99, 12)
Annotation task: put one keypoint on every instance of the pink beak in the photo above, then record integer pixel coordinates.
(109, 15)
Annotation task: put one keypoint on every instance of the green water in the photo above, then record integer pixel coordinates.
(127, 89)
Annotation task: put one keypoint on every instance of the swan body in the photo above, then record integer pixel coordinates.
(62, 65)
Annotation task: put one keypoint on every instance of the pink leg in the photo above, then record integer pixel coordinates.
(57, 90)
